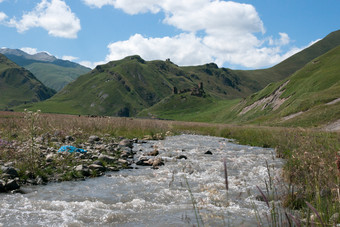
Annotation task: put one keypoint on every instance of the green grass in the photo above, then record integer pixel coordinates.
(19, 86)
(183, 107)
(308, 91)
(55, 76)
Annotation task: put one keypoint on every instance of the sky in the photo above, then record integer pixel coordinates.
(248, 34)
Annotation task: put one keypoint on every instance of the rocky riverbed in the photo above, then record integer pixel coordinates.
(191, 180)
(42, 162)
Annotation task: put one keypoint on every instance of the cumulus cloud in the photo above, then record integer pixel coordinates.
(184, 48)
(90, 64)
(3, 16)
(128, 6)
(224, 32)
(29, 50)
(55, 16)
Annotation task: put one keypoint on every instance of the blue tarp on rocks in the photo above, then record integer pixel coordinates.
(71, 149)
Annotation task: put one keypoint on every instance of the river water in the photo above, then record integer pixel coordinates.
(161, 197)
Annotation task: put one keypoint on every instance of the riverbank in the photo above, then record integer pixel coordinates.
(22, 163)
(311, 169)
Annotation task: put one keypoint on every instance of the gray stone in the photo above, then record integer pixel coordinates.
(122, 161)
(98, 162)
(84, 170)
(157, 162)
(126, 143)
(107, 158)
(50, 157)
(97, 167)
(69, 138)
(10, 172)
(93, 139)
(143, 161)
(153, 153)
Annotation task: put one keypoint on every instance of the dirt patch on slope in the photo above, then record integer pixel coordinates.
(335, 126)
(273, 100)
(333, 102)
(292, 116)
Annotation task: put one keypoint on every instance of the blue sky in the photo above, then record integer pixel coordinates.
(236, 34)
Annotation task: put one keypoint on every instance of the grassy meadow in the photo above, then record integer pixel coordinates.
(311, 170)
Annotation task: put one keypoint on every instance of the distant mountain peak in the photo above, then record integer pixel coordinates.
(41, 56)
(44, 56)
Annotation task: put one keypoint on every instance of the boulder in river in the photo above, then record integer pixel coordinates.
(208, 152)
(126, 143)
(2, 186)
(143, 161)
(11, 185)
(181, 157)
(153, 153)
(157, 162)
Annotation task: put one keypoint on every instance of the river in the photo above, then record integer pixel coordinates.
(156, 197)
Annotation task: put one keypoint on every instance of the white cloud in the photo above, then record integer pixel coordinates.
(212, 31)
(90, 64)
(69, 58)
(184, 48)
(128, 6)
(313, 42)
(3, 16)
(54, 16)
(29, 50)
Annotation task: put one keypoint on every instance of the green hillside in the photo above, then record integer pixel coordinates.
(127, 86)
(18, 85)
(55, 76)
(135, 87)
(310, 97)
(260, 78)
(304, 99)
(54, 73)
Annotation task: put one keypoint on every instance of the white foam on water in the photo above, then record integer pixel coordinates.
(146, 197)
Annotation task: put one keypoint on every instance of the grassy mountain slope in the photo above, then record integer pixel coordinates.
(260, 78)
(310, 97)
(131, 85)
(55, 76)
(52, 72)
(127, 86)
(18, 85)
(303, 98)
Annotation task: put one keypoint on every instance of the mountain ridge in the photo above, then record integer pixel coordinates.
(19, 86)
(53, 72)
(133, 86)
